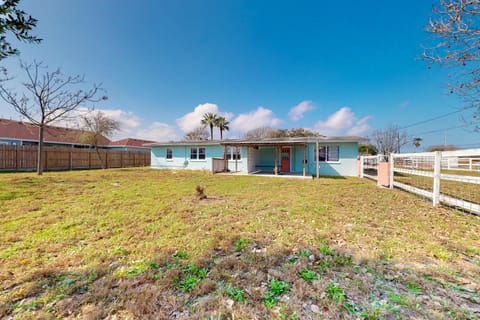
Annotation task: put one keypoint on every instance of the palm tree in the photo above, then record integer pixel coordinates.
(222, 125)
(416, 142)
(210, 119)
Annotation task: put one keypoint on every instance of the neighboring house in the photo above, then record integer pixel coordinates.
(130, 144)
(336, 155)
(24, 133)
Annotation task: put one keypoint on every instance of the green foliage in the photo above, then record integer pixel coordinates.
(307, 274)
(17, 22)
(236, 294)
(325, 249)
(275, 289)
(414, 288)
(181, 255)
(305, 253)
(335, 293)
(240, 244)
(194, 275)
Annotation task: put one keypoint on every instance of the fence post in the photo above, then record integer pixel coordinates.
(436, 178)
(106, 159)
(392, 169)
(361, 166)
(378, 170)
(16, 158)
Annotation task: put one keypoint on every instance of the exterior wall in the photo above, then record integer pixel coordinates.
(346, 166)
(261, 159)
(127, 148)
(181, 158)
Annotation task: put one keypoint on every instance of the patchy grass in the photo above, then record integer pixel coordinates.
(137, 242)
(461, 190)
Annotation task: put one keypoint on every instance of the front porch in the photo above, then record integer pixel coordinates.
(272, 157)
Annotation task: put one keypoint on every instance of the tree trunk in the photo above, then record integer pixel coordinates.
(99, 157)
(211, 131)
(40, 150)
(221, 134)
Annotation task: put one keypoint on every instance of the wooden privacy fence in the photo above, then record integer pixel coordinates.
(24, 158)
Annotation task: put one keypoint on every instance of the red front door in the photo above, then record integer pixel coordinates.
(285, 159)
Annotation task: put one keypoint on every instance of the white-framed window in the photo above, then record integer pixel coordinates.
(169, 154)
(197, 153)
(328, 154)
(234, 153)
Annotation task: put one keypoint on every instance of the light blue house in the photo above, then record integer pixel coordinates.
(296, 156)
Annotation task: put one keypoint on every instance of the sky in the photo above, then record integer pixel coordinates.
(336, 67)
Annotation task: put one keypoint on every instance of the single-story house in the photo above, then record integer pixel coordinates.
(335, 156)
(25, 133)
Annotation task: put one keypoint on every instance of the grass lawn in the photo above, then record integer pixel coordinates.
(138, 243)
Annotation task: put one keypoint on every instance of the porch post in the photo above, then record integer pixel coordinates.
(225, 162)
(275, 169)
(236, 158)
(317, 162)
(304, 159)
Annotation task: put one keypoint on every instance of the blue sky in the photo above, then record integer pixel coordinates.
(338, 67)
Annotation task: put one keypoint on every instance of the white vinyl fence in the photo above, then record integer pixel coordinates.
(449, 177)
(369, 167)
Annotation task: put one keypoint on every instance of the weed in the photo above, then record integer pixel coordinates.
(352, 307)
(324, 265)
(181, 255)
(397, 298)
(275, 289)
(335, 293)
(326, 250)
(236, 294)
(414, 288)
(240, 244)
(200, 192)
(278, 287)
(307, 274)
(192, 279)
(188, 283)
(305, 253)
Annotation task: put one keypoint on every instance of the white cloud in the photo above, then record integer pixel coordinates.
(158, 131)
(360, 127)
(127, 120)
(261, 117)
(193, 119)
(296, 113)
(343, 121)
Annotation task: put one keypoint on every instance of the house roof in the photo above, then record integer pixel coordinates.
(260, 142)
(18, 130)
(130, 142)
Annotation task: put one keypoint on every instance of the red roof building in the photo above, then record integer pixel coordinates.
(25, 133)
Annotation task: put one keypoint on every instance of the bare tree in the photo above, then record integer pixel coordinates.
(392, 139)
(47, 98)
(456, 44)
(197, 134)
(258, 133)
(97, 126)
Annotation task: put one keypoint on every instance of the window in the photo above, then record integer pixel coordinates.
(329, 153)
(234, 153)
(197, 153)
(169, 154)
